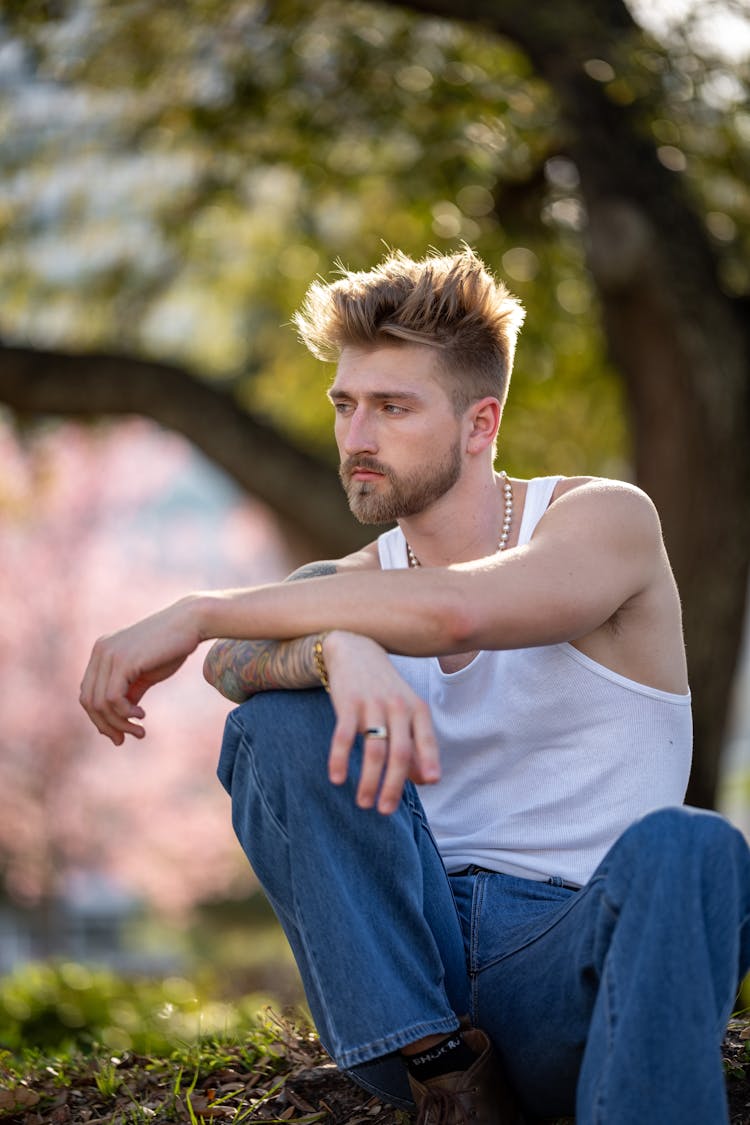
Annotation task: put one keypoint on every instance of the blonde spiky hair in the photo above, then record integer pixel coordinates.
(447, 301)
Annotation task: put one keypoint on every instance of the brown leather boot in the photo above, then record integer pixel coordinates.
(477, 1096)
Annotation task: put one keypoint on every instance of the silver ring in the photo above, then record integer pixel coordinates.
(376, 732)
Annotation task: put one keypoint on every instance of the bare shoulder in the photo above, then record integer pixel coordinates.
(365, 559)
(611, 503)
(603, 487)
(612, 529)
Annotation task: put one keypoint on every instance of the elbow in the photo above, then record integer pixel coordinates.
(221, 678)
(209, 669)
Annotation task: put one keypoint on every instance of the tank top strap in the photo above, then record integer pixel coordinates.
(538, 495)
(392, 545)
(392, 550)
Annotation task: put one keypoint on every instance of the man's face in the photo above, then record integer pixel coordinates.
(398, 436)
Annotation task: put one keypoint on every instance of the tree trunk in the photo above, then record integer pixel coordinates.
(686, 379)
(680, 343)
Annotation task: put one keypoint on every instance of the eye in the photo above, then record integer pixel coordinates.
(394, 409)
(343, 408)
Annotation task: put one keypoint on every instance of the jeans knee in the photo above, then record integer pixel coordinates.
(290, 726)
(683, 837)
(271, 710)
(286, 734)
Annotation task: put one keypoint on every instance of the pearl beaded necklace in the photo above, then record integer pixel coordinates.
(507, 521)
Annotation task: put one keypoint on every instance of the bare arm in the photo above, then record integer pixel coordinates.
(598, 549)
(239, 669)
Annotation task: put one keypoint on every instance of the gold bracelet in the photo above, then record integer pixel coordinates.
(319, 660)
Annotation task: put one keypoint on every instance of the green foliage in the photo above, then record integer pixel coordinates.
(177, 173)
(107, 1079)
(198, 167)
(66, 1006)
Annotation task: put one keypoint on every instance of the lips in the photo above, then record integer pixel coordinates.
(363, 469)
(364, 474)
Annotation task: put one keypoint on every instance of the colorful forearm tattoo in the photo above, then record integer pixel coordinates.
(239, 669)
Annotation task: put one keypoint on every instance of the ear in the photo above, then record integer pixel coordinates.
(483, 420)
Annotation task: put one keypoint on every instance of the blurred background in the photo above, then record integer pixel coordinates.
(172, 177)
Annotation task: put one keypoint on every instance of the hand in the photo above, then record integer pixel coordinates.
(124, 665)
(367, 691)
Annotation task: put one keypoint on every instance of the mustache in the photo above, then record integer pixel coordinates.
(348, 466)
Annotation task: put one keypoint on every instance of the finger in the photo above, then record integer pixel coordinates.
(426, 759)
(400, 755)
(106, 701)
(116, 735)
(374, 757)
(89, 677)
(98, 687)
(91, 693)
(115, 732)
(104, 728)
(121, 709)
(344, 734)
(112, 699)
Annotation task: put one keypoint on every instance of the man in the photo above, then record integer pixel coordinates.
(515, 649)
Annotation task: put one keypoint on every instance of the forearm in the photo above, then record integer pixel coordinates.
(597, 551)
(594, 550)
(239, 669)
(414, 614)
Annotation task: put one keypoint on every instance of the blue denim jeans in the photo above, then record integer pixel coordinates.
(609, 1003)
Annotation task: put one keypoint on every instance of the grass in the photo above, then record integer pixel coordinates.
(85, 1046)
(276, 1073)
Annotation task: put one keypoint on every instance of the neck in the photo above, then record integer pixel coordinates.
(461, 527)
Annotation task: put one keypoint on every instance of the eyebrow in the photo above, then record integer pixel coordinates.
(336, 395)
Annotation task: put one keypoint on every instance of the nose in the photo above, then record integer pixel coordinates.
(357, 433)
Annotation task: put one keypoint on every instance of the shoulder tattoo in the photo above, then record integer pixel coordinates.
(313, 570)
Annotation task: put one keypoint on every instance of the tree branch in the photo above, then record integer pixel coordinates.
(303, 490)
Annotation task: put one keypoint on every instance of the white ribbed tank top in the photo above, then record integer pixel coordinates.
(547, 756)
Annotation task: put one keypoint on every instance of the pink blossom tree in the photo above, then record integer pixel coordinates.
(99, 525)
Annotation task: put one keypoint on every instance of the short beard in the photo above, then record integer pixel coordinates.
(407, 495)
